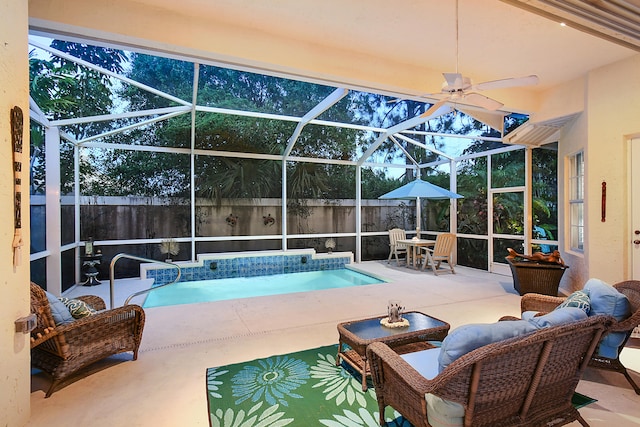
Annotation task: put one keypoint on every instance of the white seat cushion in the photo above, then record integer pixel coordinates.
(440, 412)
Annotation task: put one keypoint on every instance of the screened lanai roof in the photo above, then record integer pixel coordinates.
(387, 121)
(383, 132)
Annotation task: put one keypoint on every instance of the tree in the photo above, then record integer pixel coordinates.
(63, 89)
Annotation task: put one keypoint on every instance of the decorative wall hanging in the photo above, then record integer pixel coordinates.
(268, 220)
(232, 220)
(16, 140)
(604, 202)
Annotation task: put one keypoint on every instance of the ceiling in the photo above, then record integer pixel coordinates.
(497, 39)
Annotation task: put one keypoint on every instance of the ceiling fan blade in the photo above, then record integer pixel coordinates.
(505, 83)
(434, 108)
(482, 101)
(436, 95)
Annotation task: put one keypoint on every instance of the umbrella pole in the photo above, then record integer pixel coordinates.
(418, 208)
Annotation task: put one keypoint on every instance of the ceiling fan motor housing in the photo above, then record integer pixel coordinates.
(456, 83)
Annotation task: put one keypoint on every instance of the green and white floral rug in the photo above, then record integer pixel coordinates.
(297, 389)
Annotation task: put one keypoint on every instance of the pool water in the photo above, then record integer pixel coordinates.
(245, 287)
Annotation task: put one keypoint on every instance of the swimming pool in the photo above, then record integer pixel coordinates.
(245, 287)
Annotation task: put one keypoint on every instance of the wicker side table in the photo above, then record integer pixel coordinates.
(536, 277)
(355, 336)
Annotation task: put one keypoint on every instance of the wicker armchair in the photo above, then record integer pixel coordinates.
(630, 288)
(63, 350)
(524, 381)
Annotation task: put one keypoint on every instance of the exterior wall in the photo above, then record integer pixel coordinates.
(15, 382)
(614, 108)
(611, 104)
(562, 101)
(574, 139)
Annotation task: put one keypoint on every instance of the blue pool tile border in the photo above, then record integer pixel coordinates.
(227, 267)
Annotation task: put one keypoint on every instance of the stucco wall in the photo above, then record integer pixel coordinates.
(614, 108)
(574, 139)
(564, 100)
(14, 285)
(609, 101)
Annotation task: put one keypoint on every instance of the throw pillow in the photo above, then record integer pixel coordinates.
(578, 299)
(466, 338)
(78, 308)
(605, 299)
(59, 311)
(558, 317)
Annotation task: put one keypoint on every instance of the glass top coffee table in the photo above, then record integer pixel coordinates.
(358, 334)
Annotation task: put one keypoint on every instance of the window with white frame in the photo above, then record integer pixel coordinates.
(576, 201)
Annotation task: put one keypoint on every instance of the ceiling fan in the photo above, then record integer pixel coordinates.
(459, 88)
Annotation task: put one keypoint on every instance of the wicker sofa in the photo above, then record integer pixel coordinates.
(61, 350)
(527, 380)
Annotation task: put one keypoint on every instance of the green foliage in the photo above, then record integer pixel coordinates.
(375, 183)
(114, 174)
(224, 177)
(472, 184)
(508, 213)
(64, 89)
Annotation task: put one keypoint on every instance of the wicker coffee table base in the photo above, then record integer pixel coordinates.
(356, 336)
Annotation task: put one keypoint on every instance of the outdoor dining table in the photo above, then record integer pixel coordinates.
(412, 248)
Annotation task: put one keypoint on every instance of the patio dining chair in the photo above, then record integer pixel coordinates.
(395, 248)
(441, 252)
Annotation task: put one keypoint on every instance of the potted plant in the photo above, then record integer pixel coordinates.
(537, 273)
(169, 247)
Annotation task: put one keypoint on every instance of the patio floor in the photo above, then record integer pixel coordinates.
(166, 385)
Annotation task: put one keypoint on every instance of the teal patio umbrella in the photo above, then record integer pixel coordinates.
(419, 189)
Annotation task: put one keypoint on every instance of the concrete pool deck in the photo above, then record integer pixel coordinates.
(166, 385)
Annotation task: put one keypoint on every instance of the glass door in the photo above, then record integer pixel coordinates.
(506, 207)
(508, 227)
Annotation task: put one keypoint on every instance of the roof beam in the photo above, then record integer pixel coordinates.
(130, 114)
(133, 126)
(106, 72)
(402, 126)
(404, 150)
(322, 106)
(421, 145)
